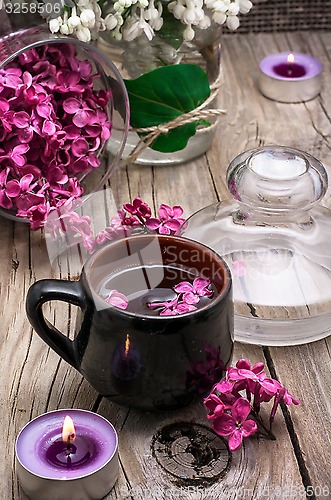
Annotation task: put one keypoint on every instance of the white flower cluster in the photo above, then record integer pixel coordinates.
(144, 17)
(127, 19)
(84, 21)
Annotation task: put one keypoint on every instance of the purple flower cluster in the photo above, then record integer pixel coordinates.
(52, 125)
(187, 295)
(168, 221)
(240, 395)
(133, 218)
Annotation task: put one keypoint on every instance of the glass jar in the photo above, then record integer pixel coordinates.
(95, 71)
(141, 56)
(275, 237)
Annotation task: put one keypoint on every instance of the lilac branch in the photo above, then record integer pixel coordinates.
(228, 409)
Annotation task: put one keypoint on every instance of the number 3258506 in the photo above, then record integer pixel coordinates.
(33, 8)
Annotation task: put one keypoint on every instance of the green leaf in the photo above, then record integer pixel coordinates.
(162, 95)
(172, 30)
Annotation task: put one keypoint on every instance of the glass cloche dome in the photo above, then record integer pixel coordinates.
(276, 239)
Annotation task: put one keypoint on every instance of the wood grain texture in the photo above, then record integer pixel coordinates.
(35, 380)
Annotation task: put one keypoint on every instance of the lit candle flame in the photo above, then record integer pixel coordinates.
(68, 430)
(290, 58)
(127, 345)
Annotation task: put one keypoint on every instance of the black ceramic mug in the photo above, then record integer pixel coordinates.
(139, 357)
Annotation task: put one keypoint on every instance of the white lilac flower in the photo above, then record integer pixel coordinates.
(156, 22)
(204, 23)
(219, 17)
(95, 7)
(217, 5)
(128, 19)
(245, 6)
(136, 27)
(232, 22)
(83, 34)
(151, 12)
(65, 29)
(130, 29)
(55, 24)
(188, 34)
(100, 24)
(188, 16)
(233, 9)
(122, 5)
(111, 21)
(87, 18)
(177, 8)
(226, 11)
(73, 20)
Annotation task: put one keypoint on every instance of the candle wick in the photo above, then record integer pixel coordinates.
(68, 446)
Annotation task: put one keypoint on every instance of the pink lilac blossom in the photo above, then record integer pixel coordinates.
(241, 394)
(138, 208)
(235, 424)
(169, 220)
(117, 299)
(172, 307)
(187, 295)
(193, 292)
(131, 219)
(52, 124)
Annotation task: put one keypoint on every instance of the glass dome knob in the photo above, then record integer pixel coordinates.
(277, 179)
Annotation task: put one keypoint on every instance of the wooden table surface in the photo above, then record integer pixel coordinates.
(35, 380)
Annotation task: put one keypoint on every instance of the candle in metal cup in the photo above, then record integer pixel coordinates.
(290, 77)
(67, 454)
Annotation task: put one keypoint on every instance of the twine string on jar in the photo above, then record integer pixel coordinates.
(200, 112)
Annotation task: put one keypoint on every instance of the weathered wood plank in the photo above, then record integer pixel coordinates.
(307, 372)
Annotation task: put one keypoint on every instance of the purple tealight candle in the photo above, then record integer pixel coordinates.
(290, 69)
(290, 77)
(67, 454)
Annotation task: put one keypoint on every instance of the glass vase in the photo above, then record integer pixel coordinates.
(104, 78)
(141, 56)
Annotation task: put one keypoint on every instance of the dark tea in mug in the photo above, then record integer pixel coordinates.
(148, 301)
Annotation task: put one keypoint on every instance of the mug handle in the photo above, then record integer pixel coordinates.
(45, 291)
